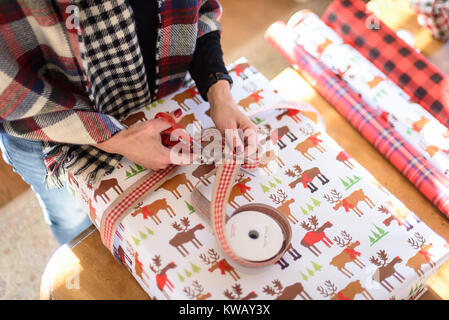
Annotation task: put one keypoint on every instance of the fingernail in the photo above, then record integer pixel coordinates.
(178, 113)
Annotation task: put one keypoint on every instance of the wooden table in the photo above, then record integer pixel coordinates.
(86, 270)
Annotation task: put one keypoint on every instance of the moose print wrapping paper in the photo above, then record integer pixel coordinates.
(352, 239)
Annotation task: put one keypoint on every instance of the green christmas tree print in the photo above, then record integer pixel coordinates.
(265, 189)
(180, 277)
(304, 211)
(190, 207)
(142, 235)
(195, 268)
(136, 241)
(151, 232)
(304, 277)
(316, 266)
(315, 202)
(377, 235)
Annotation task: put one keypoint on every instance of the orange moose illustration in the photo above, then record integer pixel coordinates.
(315, 234)
(196, 293)
(152, 209)
(284, 208)
(134, 118)
(312, 141)
(104, 187)
(291, 113)
(214, 261)
(240, 68)
(386, 270)
(350, 202)
(190, 93)
(237, 290)
(267, 157)
(422, 257)
(190, 119)
(240, 189)
(254, 97)
(348, 293)
(185, 234)
(306, 177)
(348, 255)
(288, 293)
(173, 184)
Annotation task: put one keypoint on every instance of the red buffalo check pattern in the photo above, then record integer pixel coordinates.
(377, 131)
(419, 78)
(112, 218)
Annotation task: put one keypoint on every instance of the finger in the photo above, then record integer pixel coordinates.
(177, 115)
(250, 141)
(158, 125)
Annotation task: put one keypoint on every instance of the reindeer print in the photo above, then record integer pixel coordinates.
(162, 280)
(399, 215)
(417, 126)
(185, 234)
(306, 177)
(236, 293)
(196, 293)
(190, 93)
(254, 97)
(276, 135)
(214, 261)
(348, 293)
(315, 234)
(266, 158)
(312, 141)
(92, 212)
(240, 189)
(288, 293)
(345, 158)
(386, 270)
(201, 171)
(350, 202)
(190, 119)
(104, 187)
(348, 255)
(320, 49)
(284, 208)
(173, 184)
(138, 268)
(134, 118)
(422, 257)
(152, 209)
(291, 113)
(293, 253)
(240, 68)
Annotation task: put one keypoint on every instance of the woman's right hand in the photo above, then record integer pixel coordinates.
(142, 144)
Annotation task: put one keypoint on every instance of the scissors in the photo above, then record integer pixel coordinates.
(169, 141)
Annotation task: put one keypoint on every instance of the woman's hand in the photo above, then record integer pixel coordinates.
(226, 115)
(142, 144)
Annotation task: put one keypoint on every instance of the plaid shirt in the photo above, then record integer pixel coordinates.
(69, 85)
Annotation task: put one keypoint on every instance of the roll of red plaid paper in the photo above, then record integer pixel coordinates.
(409, 69)
(434, 185)
(434, 15)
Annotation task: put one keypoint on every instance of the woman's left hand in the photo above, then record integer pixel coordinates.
(226, 115)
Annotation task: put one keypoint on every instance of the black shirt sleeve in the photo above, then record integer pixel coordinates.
(207, 59)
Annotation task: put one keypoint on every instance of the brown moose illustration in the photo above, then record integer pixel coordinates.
(240, 189)
(306, 177)
(277, 134)
(254, 97)
(214, 261)
(173, 184)
(293, 253)
(185, 234)
(268, 157)
(315, 235)
(196, 293)
(312, 141)
(291, 113)
(201, 171)
(399, 214)
(190, 93)
(104, 187)
(386, 270)
(284, 204)
(348, 293)
(422, 257)
(348, 255)
(239, 70)
(134, 118)
(190, 119)
(288, 293)
(236, 293)
(350, 202)
(152, 209)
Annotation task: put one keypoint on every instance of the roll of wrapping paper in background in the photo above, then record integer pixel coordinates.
(410, 70)
(415, 125)
(434, 15)
(431, 183)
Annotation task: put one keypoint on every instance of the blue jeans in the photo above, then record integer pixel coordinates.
(61, 211)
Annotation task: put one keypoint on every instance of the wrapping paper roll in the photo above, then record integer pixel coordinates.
(415, 125)
(433, 184)
(410, 70)
(433, 14)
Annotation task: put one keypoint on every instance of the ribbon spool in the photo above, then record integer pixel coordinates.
(254, 236)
